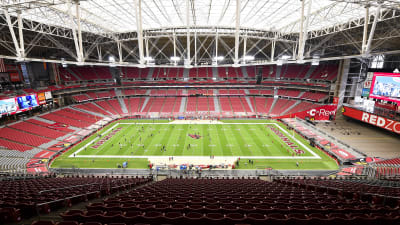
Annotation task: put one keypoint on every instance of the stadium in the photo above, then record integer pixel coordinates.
(199, 111)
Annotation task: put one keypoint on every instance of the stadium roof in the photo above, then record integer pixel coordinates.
(117, 16)
(197, 31)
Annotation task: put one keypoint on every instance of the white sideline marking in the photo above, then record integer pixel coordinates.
(79, 150)
(315, 156)
(194, 157)
(298, 142)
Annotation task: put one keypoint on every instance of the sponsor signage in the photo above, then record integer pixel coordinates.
(48, 95)
(25, 73)
(335, 100)
(14, 77)
(385, 106)
(379, 121)
(367, 84)
(365, 92)
(318, 113)
(322, 141)
(41, 98)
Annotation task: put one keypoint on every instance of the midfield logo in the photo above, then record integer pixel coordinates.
(194, 136)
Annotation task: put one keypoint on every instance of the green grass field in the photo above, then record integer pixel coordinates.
(135, 141)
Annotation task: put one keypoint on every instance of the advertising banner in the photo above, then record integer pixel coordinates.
(25, 73)
(48, 95)
(379, 121)
(41, 98)
(319, 113)
(365, 92)
(14, 77)
(385, 106)
(335, 100)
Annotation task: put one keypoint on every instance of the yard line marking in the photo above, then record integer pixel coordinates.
(298, 142)
(315, 156)
(91, 142)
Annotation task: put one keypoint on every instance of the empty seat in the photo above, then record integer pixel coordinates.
(43, 222)
(67, 223)
(72, 215)
(215, 218)
(235, 218)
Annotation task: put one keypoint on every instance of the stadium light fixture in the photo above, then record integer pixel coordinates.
(63, 63)
(218, 58)
(282, 60)
(315, 60)
(148, 59)
(111, 60)
(248, 57)
(300, 61)
(175, 58)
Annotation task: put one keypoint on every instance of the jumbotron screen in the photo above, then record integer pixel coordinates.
(386, 86)
(8, 106)
(27, 102)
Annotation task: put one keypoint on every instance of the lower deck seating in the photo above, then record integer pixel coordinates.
(233, 201)
(64, 120)
(14, 146)
(106, 106)
(22, 137)
(38, 130)
(56, 192)
(92, 108)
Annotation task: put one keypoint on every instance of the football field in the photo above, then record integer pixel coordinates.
(267, 143)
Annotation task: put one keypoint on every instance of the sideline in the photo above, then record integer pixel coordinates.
(315, 156)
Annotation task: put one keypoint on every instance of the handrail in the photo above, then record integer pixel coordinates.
(54, 189)
(44, 203)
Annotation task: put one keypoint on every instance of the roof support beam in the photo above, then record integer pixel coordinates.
(21, 35)
(78, 16)
(273, 50)
(14, 38)
(244, 49)
(195, 47)
(99, 55)
(146, 43)
(216, 49)
(365, 32)
(119, 51)
(187, 61)
(371, 34)
(236, 60)
(138, 9)
(73, 30)
(174, 40)
(303, 29)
